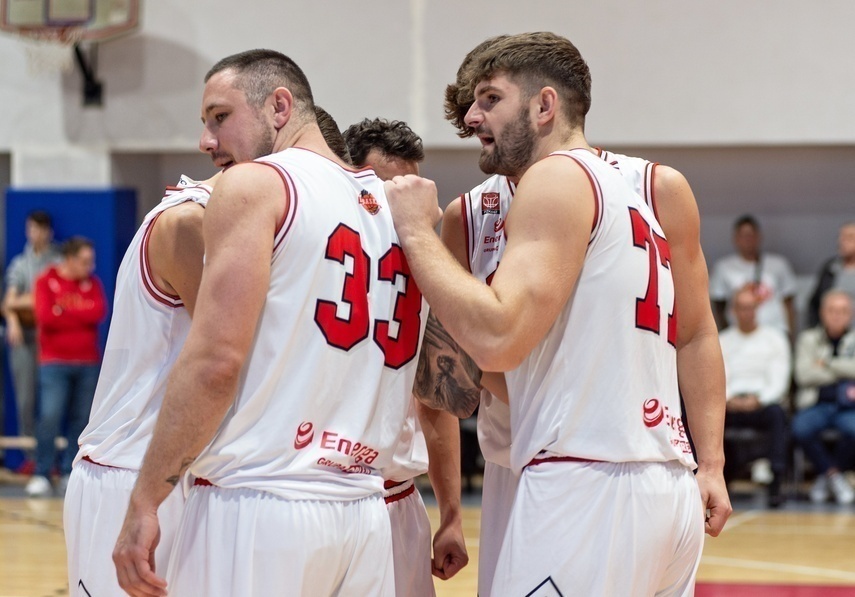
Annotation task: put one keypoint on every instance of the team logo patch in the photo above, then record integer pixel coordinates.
(545, 589)
(368, 201)
(305, 434)
(489, 203)
(653, 412)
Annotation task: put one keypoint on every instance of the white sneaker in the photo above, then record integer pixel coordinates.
(819, 491)
(39, 486)
(842, 490)
(761, 472)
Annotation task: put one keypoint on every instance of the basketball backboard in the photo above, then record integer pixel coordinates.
(69, 21)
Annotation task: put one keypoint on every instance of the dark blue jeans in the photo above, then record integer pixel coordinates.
(811, 422)
(66, 396)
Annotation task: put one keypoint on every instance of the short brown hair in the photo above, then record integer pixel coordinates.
(392, 138)
(259, 72)
(332, 134)
(40, 218)
(73, 245)
(532, 60)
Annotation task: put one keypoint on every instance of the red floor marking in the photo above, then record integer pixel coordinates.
(758, 590)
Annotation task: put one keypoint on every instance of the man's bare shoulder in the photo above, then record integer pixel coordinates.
(553, 176)
(453, 213)
(676, 206)
(181, 217)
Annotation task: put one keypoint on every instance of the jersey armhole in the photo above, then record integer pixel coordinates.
(151, 286)
(467, 222)
(649, 185)
(598, 195)
(290, 208)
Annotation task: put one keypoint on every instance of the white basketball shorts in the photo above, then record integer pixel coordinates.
(603, 529)
(411, 541)
(96, 502)
(497, 498)
(249, 542)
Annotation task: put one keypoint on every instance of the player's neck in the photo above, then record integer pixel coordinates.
(309, 137)
(567, 141)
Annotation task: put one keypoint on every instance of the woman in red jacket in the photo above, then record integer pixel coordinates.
(69, 305)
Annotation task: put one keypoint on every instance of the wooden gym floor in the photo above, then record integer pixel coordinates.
(799, 551)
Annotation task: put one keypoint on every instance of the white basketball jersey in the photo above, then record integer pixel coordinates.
(147, 332)
(484, 210)
(327, 384)
(411, 455)
(602, 384)
(637, 172)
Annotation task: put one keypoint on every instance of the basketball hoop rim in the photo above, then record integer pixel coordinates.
(71, 32)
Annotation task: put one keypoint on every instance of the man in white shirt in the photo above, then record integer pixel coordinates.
(770, 276)
(757, 368)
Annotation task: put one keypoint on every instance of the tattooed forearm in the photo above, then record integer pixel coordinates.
(185, 464)
(446, 378)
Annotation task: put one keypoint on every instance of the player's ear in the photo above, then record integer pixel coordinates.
(283, 106)
(547, 104)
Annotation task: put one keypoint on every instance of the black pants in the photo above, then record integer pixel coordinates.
(772, 422)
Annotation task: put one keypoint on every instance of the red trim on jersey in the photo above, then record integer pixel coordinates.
(511, 187)
(464, 208)
(288, 214)
(87, 459)
(346, 169)
(399, 496)
(598, 193)
(649, 178)
(536, 461)
(200, 482)
(158, 293)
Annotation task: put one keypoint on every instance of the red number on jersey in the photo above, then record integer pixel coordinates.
(408, 307)
(347, 333)
(647, 310)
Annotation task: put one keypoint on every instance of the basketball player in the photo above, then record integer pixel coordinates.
(553, 325)
(392, 149)
(155, 296)
(291, 390)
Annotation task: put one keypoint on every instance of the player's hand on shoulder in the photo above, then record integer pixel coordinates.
(414, 204)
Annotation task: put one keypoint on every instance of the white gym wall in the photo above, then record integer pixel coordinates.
(753, 101)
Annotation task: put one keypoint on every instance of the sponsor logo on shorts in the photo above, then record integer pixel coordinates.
(489, 203)
(545, 589)
(368, 202)
(81, 590)
(305, 435)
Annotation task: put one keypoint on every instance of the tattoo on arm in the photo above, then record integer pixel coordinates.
(185, 464)
(446, 378)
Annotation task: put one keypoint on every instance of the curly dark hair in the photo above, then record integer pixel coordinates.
(391, 138)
